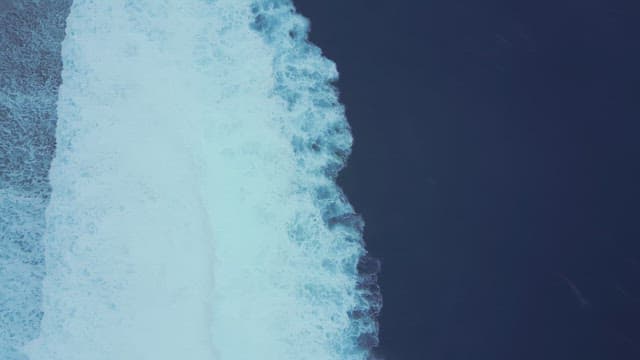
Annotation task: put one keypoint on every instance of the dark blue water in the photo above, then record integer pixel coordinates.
(496, 164)
(30, 65)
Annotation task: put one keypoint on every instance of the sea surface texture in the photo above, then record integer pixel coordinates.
(30, 65)
(191, 204)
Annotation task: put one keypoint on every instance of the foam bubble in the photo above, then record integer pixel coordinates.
(194, 211)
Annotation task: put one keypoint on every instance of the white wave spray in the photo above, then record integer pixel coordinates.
(194, 212)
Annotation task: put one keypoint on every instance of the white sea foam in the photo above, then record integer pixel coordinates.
(194, 213)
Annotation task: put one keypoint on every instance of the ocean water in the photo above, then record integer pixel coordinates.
(30, 65)
(193, 210)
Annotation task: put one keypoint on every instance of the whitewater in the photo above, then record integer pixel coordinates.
(194, 212)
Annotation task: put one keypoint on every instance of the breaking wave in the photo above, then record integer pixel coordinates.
(194, 212)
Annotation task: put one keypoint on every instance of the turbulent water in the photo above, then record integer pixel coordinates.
(30, 65)
(193, 211)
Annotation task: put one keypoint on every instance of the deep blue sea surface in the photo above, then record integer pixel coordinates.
(496, 161)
